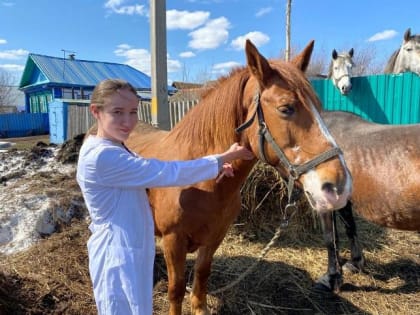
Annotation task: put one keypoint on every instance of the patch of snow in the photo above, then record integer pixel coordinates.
(27, 212)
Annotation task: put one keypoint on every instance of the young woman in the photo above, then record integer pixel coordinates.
(113, 181)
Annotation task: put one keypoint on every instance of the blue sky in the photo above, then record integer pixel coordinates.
(204, 37)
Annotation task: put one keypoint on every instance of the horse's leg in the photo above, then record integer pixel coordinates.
(202, 269)
(332, 279)
(357, 260)
(175, 252)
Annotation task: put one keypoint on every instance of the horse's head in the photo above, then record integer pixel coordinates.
(284, 128)
(340, 70)
(409, 55)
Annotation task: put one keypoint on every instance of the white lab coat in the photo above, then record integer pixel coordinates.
(121, 248)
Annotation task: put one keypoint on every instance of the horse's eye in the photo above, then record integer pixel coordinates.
(286, 110)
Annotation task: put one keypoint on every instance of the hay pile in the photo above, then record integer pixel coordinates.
(52, 277)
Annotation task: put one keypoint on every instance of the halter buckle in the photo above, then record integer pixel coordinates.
(290, 207)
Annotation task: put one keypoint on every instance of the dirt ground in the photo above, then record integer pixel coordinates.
(51, 277)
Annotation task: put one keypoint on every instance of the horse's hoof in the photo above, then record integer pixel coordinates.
(329, 283)
(201, 312)
(355, 265)
(320, 287)
(351, 268)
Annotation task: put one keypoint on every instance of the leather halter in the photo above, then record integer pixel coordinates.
(295, 171)
(336, 80)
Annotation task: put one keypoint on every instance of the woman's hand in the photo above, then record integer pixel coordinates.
(235, 151)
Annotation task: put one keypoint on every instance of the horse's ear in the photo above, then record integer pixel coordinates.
(302, 60)
(334, 54)
(351, 52)
(257, 63)
(407, 35)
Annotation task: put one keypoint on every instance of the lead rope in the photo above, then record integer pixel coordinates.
(334, 228)
(252, 267)
(283, 224)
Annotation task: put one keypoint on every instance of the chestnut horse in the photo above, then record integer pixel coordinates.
(269, 107)
(385, 164)
(340, 70)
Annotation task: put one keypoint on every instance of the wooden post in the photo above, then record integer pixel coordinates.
(288, 10)
(160, 107)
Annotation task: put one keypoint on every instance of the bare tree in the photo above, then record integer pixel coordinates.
(365, 60)
(202, 76)
(7, 95)
(185, 73)
(318, 66)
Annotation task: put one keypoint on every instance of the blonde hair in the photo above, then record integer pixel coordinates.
(108, 87)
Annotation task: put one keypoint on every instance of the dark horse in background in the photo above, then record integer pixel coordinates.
(385, 164)
(267, 106)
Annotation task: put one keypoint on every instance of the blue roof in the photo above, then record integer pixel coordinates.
(41, 69)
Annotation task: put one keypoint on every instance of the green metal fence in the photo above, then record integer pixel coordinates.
(385, 98)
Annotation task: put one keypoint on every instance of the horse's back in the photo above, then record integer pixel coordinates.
(145, 138)
(385, 163)
(347, 127)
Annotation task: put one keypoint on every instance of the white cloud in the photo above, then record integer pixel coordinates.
(185, 20)
(118, 7)
(387, 34)
(135, 57)
(173, 65)
(7, 4)
(187, 54)
(257, 38)
(141, 59)
(224, 67)
(12, 67)
(13, 54)
(210, 36)
(263, 11)
(3, 41)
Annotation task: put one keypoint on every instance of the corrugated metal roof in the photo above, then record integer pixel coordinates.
(76, 72)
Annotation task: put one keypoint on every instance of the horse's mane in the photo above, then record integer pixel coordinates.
(220, 110)
(212, 121)
(329, 75)
(389, 68)
(298, 83)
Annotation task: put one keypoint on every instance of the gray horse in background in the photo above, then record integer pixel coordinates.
(340, 70)
(407, 57)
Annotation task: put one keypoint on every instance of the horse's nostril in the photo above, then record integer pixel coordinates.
(329, 187)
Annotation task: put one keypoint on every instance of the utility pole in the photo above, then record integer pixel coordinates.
(160, 106)
(288, 10)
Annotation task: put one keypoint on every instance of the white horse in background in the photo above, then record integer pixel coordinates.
(407, 57)
(340, 70)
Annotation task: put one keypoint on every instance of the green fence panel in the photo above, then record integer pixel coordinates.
(384, 98)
